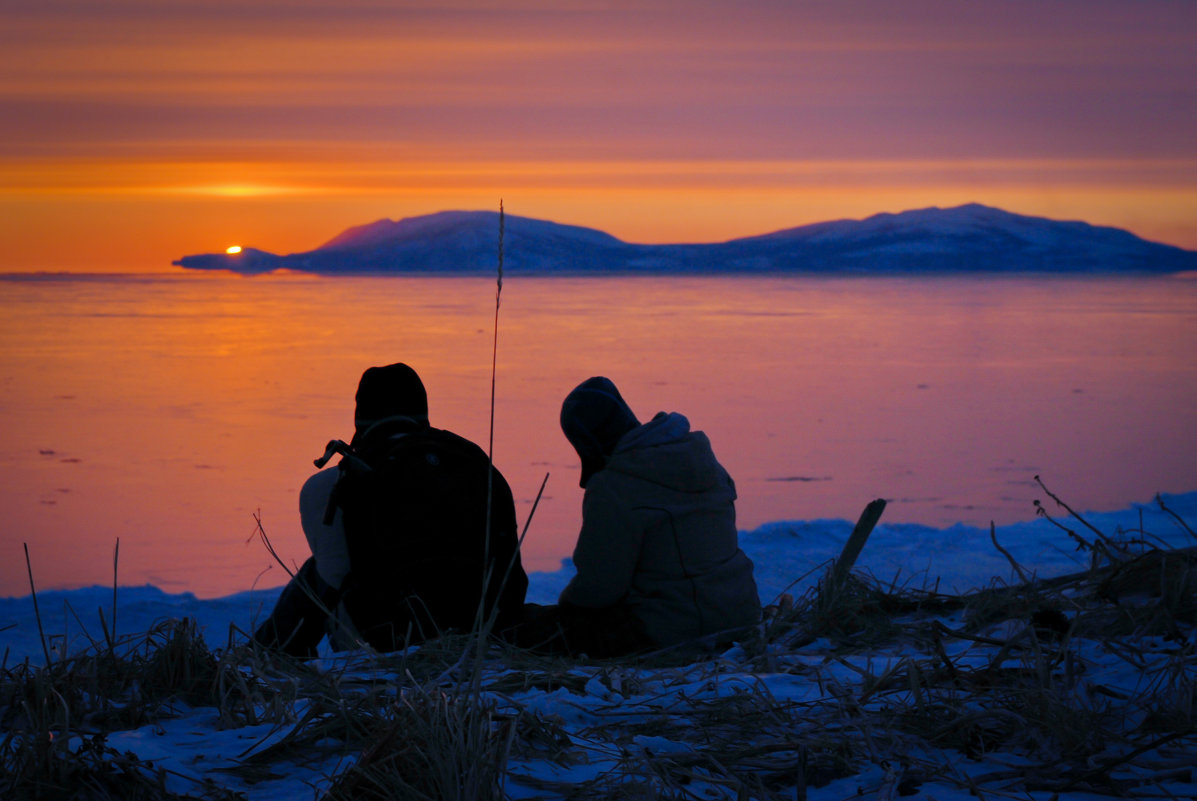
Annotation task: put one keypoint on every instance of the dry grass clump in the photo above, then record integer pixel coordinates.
(56, 717)
(1012, 675)
(415, 724)
(430, 744)
(85, 768)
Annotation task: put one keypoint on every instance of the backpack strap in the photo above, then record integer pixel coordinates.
(334, 447)
(349, 459)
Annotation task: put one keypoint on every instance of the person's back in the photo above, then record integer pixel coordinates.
(401, 542)
(421, 552)
(664, 497)
(659, 537)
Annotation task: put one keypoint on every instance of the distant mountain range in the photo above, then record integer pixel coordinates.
(965, 239)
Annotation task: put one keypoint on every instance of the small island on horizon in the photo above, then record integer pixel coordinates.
(972, 238)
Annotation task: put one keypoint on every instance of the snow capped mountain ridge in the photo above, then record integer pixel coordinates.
(972, 219)
(972, 238)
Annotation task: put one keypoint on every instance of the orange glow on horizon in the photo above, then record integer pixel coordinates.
(122, 230)
(140, 214)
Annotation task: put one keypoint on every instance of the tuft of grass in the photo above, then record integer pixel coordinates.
(84, 768)
(431, 744)
(56, 717)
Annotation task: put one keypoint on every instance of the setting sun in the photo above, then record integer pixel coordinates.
(233, 249)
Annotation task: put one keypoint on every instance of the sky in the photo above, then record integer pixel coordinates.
(133, 132)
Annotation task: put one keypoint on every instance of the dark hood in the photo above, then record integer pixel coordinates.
(387, 393)
(594, 416)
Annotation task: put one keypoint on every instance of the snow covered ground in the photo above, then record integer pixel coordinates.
(789, 557)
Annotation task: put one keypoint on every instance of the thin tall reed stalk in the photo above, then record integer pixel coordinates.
(36, 612)
(494, 361)
(116, 558)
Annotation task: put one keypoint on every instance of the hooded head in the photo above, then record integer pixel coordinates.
(385, 393)
(594, 417)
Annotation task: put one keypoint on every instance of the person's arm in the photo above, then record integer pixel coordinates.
(607, 550)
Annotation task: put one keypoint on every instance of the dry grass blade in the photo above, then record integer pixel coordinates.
(36, 612)
(1179, 520)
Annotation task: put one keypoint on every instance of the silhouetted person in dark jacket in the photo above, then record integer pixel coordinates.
(401, 549)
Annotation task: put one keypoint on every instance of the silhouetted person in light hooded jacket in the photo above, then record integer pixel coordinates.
(658, 558)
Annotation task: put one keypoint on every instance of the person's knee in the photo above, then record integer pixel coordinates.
(313, 499)
(326, 541)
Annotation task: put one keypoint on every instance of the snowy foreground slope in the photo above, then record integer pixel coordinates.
(788, 556)
(640, 731)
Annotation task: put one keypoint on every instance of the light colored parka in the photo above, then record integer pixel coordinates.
(659, 535)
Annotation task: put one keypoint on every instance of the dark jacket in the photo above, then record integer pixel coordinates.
(659, 535)
(416, 530)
